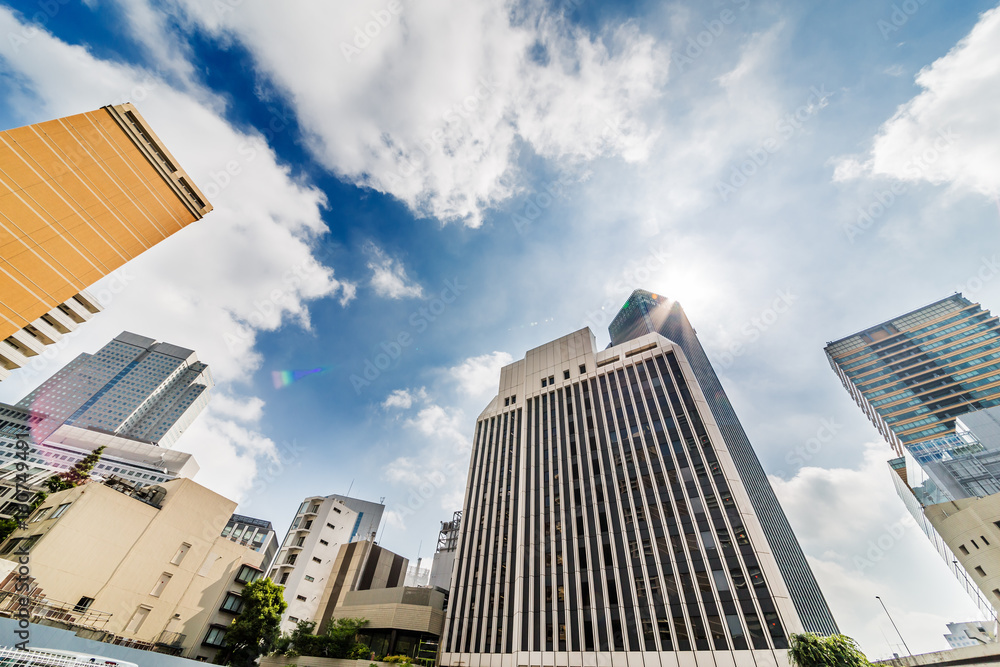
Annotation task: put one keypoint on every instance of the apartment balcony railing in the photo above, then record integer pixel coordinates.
(42, 609)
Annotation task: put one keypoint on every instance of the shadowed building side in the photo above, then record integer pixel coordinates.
(644, 313)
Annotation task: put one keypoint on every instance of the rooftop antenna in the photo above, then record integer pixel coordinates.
(349, 488)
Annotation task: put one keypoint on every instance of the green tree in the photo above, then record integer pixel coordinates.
(339, 641)
(809, 650)
(76, 475)
(256, 629)
(7, 526)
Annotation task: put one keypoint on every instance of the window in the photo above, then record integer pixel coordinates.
(330, 525)
(300, 597)
(324, 543)
(308, 525)
(973, 543)
(181, 552)
(982, 537)
(565, 375)
(545, 382)
(284, 578)
(62, 508)
(980, 571)
(10, 545)
(963, 549)
(40, 514)
(293, 619)
(137, 619)
(513, 399)
(552, 379)
(583, 368)
(290, 559)
(83, 604)
(247, 574)
(233, 603)
(160, 584)
(216, 636)
(314, 508)
(506, 401)
(300, 541)
(316, 560)
(308, 578)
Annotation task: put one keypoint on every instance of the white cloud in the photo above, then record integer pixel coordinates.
(869, 545)
(403, 399)
(479, 375)
(389, 276)
(246, 267)
(948, 133)
(240, 408)
(519, 79)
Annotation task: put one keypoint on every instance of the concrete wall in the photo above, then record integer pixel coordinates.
(44, 636)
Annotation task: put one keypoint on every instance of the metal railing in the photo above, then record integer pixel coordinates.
(63, 612)
(171, 639)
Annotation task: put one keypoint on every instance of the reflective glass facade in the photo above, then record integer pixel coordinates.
(914, 374)
(133, 387)
(645, 312)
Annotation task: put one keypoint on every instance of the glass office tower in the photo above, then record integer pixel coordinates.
(605, 522)
(133, 387)
(914, 374)
(645, 312)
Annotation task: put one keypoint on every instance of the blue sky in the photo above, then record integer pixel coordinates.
(481, 177)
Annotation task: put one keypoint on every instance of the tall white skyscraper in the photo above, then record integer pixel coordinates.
(306, 558)
(134, 387)
(606, 523)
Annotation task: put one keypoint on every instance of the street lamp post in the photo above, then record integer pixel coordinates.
(908, 652)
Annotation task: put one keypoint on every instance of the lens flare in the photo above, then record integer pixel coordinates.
(284, 378)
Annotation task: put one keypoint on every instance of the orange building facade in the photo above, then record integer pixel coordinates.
(79, 197)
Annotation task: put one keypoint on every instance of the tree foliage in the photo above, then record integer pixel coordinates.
(339, 641)
(257, 627)
(809, 650)
(76, 475)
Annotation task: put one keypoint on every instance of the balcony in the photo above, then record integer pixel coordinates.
(174, 640)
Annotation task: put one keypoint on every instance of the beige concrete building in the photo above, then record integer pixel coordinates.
(360, 566)
(400, 619)
(970, 528)
(150, 563)
(79, 197)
